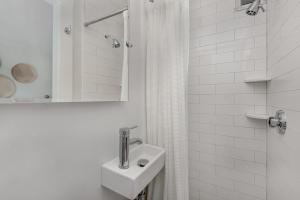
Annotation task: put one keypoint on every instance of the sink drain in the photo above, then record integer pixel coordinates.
(142, 162)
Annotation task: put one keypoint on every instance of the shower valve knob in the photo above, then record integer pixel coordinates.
(279, 121)
(68, 30)
(129, 45)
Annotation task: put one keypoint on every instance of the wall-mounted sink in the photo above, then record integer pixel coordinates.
(130, 182)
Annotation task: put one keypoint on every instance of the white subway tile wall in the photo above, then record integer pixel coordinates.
(101, 76)
(227, 150)
(284, 93)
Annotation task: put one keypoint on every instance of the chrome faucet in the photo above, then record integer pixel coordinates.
(125, 141)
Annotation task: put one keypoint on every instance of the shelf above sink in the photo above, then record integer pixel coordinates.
(130, 182)
(257, 116)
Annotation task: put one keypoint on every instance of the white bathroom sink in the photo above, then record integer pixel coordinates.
(130, 182)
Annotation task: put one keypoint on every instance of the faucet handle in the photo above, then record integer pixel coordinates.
(125, 131)
(133, 127)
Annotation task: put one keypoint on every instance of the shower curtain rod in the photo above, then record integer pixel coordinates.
(86, 24)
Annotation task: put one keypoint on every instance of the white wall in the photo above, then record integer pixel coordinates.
(227, 150)
(54, 152)
(284, 93)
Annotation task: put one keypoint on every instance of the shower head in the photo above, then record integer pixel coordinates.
(254, 8)
(115, 43)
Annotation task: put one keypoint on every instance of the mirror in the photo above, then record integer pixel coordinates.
(64, 51)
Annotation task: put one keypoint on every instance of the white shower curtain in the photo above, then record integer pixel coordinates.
(167, 53)
(124, 82)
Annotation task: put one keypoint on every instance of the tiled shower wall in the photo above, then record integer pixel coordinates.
(284, 94)
(227, 150)
(103, 65)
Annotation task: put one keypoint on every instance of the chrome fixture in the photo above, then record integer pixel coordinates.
(86, 24)
(115, 43)
(47, 96)
(142, 162)
(129, 45)
(125, 142)
(143, 195)
(254, 8)
(68, 30)
(279, 121)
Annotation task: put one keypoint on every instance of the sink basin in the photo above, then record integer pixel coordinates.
(130, 182)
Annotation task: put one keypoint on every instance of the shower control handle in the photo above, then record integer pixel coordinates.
(279, 121)
(68, 30)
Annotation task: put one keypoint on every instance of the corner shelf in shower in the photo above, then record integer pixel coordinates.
(257, 79)
(257, 116)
